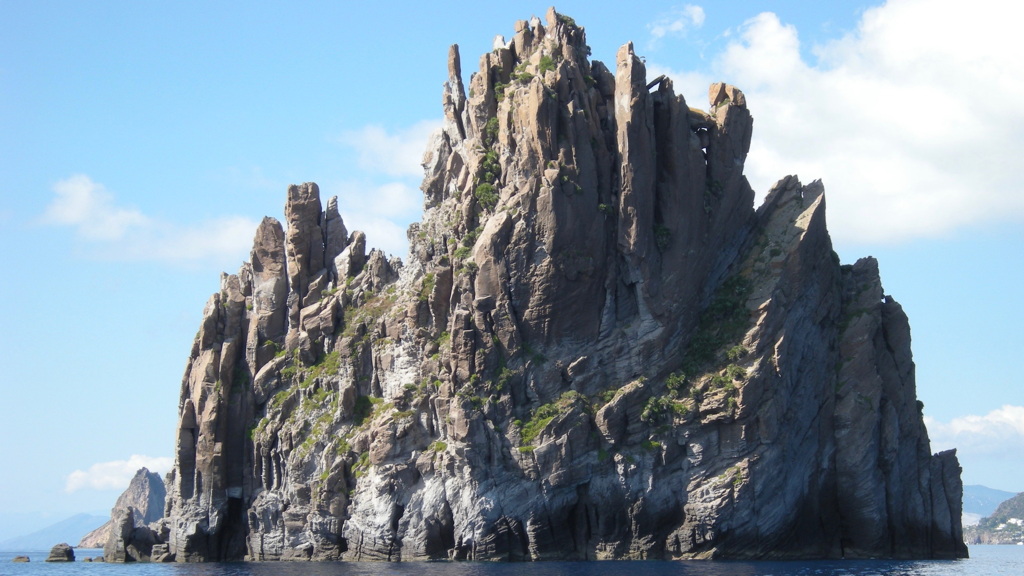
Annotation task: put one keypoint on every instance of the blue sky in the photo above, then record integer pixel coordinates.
(140, 143)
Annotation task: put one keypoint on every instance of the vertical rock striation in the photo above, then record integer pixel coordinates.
(597, 349)
(272, 305)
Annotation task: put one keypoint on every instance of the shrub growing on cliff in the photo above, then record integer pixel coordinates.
(676, 382)
(546, 64)
(541, 418)
(654, 410)
(545, 414)
(724, 321)
(428, 286)
(736, 352)
(486, 195)
(362, 409)
(520, 74)
(491, 132)
(662, 236)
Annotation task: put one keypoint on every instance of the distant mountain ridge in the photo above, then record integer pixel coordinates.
(982, 500)
(68, 530)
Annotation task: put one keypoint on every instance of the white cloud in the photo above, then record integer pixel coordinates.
(989, 447)
(1000, 432)
(394, 154)
(115, 475)
(90, 208)
(109, 230)
(676, 22)
(383, 233)
(693, 86)
(383, 212)
(914, 121)
(225, 237)
(396, 199)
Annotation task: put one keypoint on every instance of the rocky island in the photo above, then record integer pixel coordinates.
(596, 349)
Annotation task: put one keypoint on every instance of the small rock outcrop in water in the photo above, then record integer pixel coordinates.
(61, 553)
(597, 349)
(145, 495)
(130, 542)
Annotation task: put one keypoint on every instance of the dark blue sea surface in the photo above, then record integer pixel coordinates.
(984, 561)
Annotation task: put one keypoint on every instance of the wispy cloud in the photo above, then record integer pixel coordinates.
(890, 117)
(1000, 432)
(692, 85)
(677, 22)
(392, 153)
(90, 209)
(109, 230)
(382, 211)
(384, 207)
(988, 446)
(115, 475)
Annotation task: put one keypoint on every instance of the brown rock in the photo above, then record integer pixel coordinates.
(266, 333)
(304, 242)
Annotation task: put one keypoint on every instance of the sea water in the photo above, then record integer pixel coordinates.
(984, 561)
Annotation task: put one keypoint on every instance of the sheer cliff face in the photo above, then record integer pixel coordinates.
(597, 349)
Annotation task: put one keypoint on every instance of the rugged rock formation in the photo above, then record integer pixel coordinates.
(135, 528)
(61, 553)
(145, 495)
(597, 349)
(128, 542)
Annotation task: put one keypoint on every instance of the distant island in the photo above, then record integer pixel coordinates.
(1004, 526)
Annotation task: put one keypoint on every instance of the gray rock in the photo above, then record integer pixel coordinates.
(161, 553)
(335, 233)
(121, 537)
(350, 261)
(268, 294)
(305, 237)
(61, 553)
